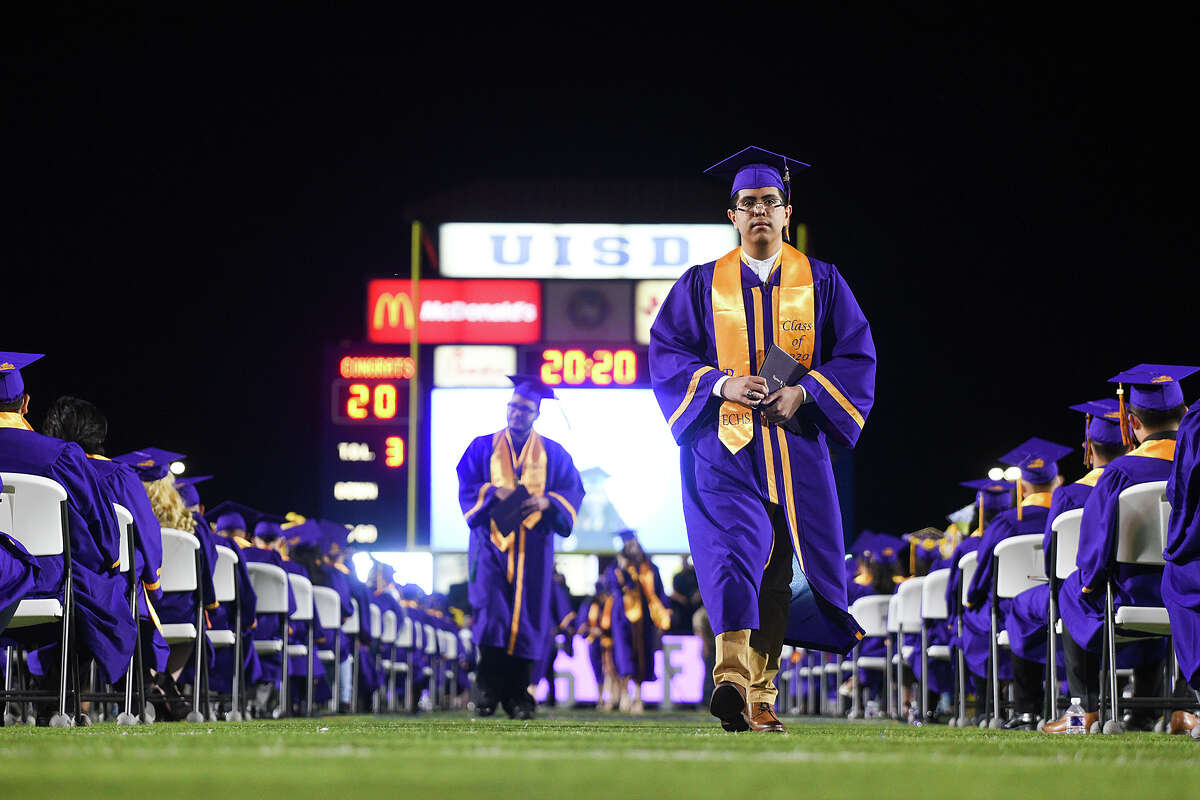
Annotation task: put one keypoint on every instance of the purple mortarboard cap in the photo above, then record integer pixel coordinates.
(755, 168)
(1154, 387)
(231, 521)
(410, 591)
(531, 388)
(1037, 458)
(333, 535)
(150, 463)
(924, 544)
(1104, 420)
(997, 495)
(187, 489)
(12, 385)
(880, 547)
(306, 534)
(267, 529)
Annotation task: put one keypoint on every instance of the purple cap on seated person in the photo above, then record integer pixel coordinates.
(1037, 458)
(187, 489)
(997, 495)
(756, 168)
(231, 521)
(267, 530)
(880, 547)
(333, 536)
(12, 385)
(1154, 387)
(531, 388)
(1103, 420)
(305, 534)
(151, 463)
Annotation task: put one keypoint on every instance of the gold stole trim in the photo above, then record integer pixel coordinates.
(1156, 448)
(11, 419)
(658, 615)
(1091, 478)
(1038, 499)
(98, 457)
(504, 465)
(794, 321)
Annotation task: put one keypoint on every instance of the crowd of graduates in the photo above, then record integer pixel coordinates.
(1145, 434)
(69, 449)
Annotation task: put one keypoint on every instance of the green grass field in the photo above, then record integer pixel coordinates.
(577, 755)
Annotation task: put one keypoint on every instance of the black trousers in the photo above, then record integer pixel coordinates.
(1028, 681)
(6, 615)
(502, 677)
(1083, 676)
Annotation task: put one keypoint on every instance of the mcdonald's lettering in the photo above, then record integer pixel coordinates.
(467, 312)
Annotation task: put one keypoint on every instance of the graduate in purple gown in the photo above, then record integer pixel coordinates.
(1027, 621)
(991, 499)
(230, 530)
(509, 571)
(594, 624)
(758, 486)
(876, 556)
(264, 549)
(1038, 462)
(1154, 410)
(923, 554)
(103, 623)
(641, 611)
(1181, 575)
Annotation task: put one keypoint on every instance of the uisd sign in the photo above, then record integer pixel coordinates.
(534, 250)
(472, 312)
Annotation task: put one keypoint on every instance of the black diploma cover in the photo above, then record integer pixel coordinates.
(779, 370)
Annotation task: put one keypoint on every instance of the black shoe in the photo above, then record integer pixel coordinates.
(728, 704)
(1021, 722)
(1140, 720)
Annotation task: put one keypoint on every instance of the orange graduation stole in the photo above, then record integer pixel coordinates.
(793, 318)
(504, 465)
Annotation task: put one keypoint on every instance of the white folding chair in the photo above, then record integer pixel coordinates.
(328, 606)
(935, 611)
(375, 630)
(270, 584)
(351, 627)
(226, 590)
(871, 613)
(1141, 535)
(1064, 545)
(909, 599)
(126, 565)
(405, 643)
(1018, 563)
(302, 591)
(387, 638)
(967, 564)
(181, 573)
(34, 513)
(431, 658)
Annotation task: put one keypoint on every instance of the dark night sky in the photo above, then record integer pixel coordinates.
(192, 203)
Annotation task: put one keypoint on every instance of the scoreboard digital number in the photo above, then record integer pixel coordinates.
(371, 389)
(588, 366)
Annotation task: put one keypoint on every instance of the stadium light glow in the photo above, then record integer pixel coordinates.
(177, 467)
(1012, 474)
(995, 474)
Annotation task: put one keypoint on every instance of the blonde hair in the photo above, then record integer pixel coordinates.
(168, 505)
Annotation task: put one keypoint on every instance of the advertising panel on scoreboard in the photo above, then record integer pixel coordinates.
(618, 440)
(542, 250)
(454, 312)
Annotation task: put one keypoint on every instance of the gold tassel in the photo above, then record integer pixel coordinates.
(981, 511)
(1126, 436)
(1087, 446)
(1019, 515)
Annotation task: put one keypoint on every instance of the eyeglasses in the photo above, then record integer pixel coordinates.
(749, 205)
(521, 408)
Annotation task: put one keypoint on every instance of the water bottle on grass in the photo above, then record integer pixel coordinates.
(1075, 720)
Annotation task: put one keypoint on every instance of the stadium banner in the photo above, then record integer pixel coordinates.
(542, 250)
(459, 312)
(648, 297)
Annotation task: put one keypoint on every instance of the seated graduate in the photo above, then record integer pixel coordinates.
(17, 573)
(1152, 415)
(1028, 618)
(925, 553)
(223, 616)
(153, 466)
(268, 549)
(1038, 462)
(991, 499)
(875, 562)
(595, 625)
(317, 551)
(641, 612)
(104, 625)
(74, 420)
(1181, 575)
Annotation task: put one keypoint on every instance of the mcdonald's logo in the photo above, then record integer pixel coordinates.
(388, 306)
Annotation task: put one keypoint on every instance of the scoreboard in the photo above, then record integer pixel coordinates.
(365, 457)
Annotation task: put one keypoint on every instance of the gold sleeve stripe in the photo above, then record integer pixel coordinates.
(687, 398)
(478, 503)
(570, 508)
(838, 396)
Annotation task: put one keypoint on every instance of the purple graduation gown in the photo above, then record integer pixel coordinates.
(18, 570)
(1181, 575)
(725, 494)
(1081, 596)
(561, 617)
(104, 625)
(976, 637)
(635, 641)
(1029, 612)
(514, 616)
